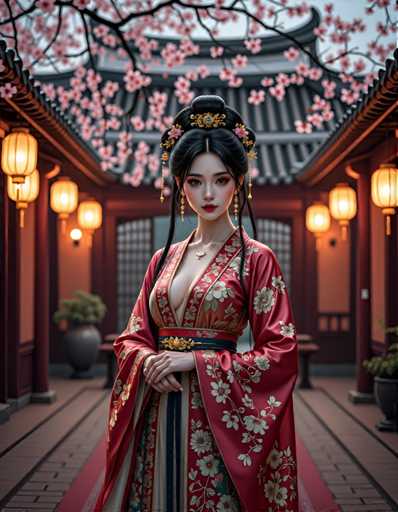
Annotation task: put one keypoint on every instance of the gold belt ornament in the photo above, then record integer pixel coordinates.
(178, 343)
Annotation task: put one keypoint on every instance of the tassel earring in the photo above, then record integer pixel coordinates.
(249, 195)
(182, 206)
(236, 204)
(162, 186)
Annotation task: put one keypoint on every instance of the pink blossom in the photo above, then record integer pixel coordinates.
(81, 4)
(7, 90)
(226, 74)
(182, 84)
(267, 82)
(216, 51)
(320, 32)
(315, 119)
(291, 54)
(135, 80)
(283, 79)
(253, 45)
(191, 75)
(328, 115)
(348, 96)
(256, 97)
(240, 132)
(315, 73)
(302, 69)
(46, 6)
(302, 127)
(240, 61)
(235, 81)
(203, 71)
(278, 92)
(175, 132)
(185, 97)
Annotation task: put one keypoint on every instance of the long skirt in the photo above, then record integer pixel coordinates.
(175, 446)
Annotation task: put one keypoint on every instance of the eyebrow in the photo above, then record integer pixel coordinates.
(201, 175)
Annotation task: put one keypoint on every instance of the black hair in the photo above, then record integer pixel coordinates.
(223, 142)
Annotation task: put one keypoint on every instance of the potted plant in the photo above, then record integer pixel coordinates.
(82, 338)
(385, 370)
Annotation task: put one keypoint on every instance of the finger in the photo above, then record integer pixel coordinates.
(173, 382)
(161, 387)
(150, 360)
(156, 369)
(163, 372)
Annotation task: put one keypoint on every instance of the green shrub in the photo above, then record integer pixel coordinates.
(86, 308)
(385, 366)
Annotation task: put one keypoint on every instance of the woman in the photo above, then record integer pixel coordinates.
(194, 425)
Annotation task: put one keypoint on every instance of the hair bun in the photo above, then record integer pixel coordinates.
(207, 103)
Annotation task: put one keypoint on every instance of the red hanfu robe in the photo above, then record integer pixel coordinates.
(238, 437)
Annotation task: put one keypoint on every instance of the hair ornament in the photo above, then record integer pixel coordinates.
(207, 120)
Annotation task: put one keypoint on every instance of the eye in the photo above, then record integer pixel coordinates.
(193, 182)
(223, 180)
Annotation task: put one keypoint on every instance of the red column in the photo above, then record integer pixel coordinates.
(364, 385)
(391, 280)
(41, 391)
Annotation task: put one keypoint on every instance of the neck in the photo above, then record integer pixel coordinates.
(214, 230)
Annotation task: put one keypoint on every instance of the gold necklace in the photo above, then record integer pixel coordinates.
(200, 253)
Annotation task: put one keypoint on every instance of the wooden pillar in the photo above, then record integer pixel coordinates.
(4, 311)
(364, 385)
(391, 280)
(41, 391)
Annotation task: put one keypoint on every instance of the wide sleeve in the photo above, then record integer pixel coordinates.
(130, 391)
(248, 396)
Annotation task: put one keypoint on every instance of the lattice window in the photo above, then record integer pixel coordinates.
(278, 236)
(134, 251)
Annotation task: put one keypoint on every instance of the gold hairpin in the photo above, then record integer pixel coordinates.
(207, 120)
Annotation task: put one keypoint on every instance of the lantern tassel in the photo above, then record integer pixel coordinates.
(388, 225)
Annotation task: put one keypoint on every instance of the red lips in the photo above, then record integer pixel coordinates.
(209, 207)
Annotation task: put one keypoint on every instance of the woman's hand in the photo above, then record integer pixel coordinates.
(167, 384)
(158, 366)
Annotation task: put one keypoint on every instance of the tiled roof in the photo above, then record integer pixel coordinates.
(364, 119)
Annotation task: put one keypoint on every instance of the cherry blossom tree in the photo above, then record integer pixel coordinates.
(76, 34)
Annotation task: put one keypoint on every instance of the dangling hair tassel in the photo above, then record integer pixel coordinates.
(162, 187)
(249, 195)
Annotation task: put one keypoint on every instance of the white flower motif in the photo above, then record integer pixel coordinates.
(280, 496)
(200, 441)
(134, 324)
(262, 363)
(287, 330)
(247, 401)
(256, 425)
(269, 490)
(274, 458)
(278, 283)
(208, 465)
(226, 504)
(264, 300)
(273, 402)
(231, 420)
(220, 390)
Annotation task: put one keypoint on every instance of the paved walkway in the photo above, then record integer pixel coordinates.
(42, 448)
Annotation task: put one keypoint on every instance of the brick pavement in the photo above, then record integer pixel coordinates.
(358, 467)
(360, 471)
(44, 486)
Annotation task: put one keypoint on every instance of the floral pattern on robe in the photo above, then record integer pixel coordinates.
(247, 408)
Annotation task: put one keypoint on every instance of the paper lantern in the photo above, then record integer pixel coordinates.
(343, 205)
(76, 235)
(19, 154)
(89, 216)
(384, 190)
(64, 196)
(317, 220)
(24, 193)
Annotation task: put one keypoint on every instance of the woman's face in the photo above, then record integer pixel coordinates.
(209, 183)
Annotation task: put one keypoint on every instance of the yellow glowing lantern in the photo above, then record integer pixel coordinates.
(19, 155)
(384, 189)
(64, 195)
(76, 235)
(89, 216)
(317, 220)
(24, 193)
(343, 205)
